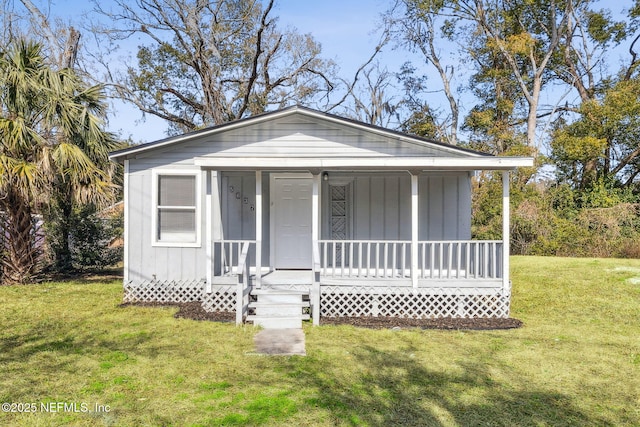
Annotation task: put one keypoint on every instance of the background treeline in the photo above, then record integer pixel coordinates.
(553, 79)
(555, 219)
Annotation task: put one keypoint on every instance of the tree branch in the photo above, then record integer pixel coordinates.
(254, 67)
(634, 59)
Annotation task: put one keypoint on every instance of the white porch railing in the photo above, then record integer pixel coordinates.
(391, 259)
(383, 259)
(233, 258)
(228, 253)
(460, 259)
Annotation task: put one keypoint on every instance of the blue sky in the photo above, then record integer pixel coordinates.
(345, 29)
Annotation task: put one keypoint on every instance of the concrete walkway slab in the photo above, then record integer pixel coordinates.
(280, 342)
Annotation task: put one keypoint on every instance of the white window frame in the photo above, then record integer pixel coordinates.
(157, 173)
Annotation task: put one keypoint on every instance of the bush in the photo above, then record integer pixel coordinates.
(602, 222)
(94, 238)
(85, 238)
(630, 249)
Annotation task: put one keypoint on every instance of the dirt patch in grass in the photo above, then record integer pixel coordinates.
(194, 311)
(447, 323)
(188, 310)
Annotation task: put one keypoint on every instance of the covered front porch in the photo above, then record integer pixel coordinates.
(454, 279)
(353, 277)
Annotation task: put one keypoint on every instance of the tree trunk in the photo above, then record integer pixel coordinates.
(20, 244)
(63, 252)
(532, 122)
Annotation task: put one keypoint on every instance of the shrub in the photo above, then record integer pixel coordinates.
(630, 249)
(93, 240)
(603, 221)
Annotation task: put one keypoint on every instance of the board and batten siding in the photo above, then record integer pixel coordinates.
(380, 209)
(237, 204)
(445, 200)
(147, 262)
(381, 206)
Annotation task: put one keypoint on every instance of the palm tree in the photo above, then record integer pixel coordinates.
(52, 145)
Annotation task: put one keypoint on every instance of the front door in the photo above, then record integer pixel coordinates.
(291, 210)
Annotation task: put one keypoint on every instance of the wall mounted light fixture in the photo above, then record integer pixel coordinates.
(325, 176)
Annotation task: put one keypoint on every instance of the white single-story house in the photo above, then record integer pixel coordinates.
(349, 218)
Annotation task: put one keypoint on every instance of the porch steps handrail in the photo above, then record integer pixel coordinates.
(244, 288)
(315, 286)
(228, 253)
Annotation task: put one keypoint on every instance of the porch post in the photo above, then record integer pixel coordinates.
(125, 256)
(505, 230)
(217, 233)
(414, 229)
(315, 236)
(315, 207)
(209, 230)
(258, 280)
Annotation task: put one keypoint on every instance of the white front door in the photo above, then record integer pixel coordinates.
(291, 210)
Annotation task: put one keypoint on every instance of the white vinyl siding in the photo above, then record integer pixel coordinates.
(176, 208)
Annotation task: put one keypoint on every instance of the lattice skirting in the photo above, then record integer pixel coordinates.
(340, 301)
(221, 298)
(414, 304)
(164, 291)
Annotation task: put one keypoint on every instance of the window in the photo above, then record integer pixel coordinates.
(176, 219)
(338, 209)
(340, 217)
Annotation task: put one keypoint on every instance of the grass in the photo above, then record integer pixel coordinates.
(576, 361)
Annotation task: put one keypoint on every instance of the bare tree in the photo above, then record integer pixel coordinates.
(373, 99)
(209, 62)
(416, 30)
(62, 43)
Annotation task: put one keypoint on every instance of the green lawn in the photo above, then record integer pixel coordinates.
(576, 361)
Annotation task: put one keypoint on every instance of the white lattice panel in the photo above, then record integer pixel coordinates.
(222, 298)
(487, 306)
(413, 303)
(346, 305)
(167, 291)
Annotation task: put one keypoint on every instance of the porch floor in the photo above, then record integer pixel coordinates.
(270, 278)
(305, 278)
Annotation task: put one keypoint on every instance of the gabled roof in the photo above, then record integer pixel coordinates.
(462, 158)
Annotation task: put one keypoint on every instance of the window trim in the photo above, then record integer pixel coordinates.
(157, 173)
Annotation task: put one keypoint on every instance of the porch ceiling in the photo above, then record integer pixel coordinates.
(364, 163)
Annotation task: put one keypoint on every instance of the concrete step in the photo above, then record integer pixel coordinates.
(278, 322)
(280, 342)
(278, 309)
